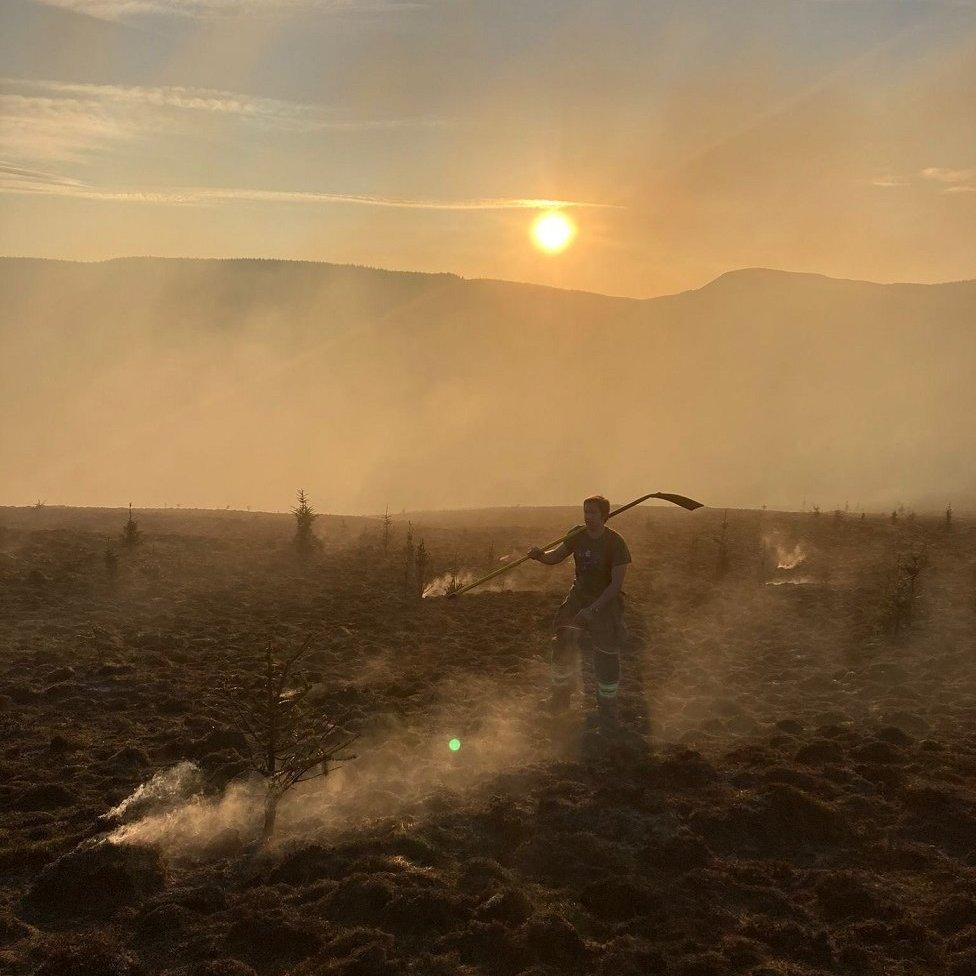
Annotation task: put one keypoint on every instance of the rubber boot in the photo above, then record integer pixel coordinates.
(558, 704)
(609, 723)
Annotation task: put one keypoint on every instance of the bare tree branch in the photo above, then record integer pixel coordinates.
(286, 736)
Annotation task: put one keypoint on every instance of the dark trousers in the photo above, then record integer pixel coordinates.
(605, 634)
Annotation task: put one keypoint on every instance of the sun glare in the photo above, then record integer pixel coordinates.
(553, 232)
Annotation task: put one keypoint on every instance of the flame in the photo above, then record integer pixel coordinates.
(790, 558)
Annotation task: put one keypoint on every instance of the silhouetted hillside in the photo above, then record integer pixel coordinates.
(234, 381)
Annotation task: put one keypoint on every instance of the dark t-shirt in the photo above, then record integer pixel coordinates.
(595, 558)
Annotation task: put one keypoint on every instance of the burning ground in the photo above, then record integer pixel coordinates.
(793, 794)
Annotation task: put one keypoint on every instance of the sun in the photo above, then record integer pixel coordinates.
(553, 231)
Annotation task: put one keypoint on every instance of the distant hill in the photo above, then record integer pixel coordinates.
(213, 382)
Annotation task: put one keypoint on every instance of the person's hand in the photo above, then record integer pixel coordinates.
(536, 553)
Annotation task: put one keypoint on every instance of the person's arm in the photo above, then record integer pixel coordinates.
(617, 574)
(551, 557)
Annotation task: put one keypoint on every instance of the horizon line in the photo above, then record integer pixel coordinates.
(854, 513)
(506, 281)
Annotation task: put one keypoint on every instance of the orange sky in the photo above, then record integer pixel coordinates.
(686, 139)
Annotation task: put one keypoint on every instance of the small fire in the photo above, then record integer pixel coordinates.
(791, 580)
(448, 582)
(790, 558)
(441, 585)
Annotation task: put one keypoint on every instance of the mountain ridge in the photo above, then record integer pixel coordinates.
(162, 380)
(734, 277)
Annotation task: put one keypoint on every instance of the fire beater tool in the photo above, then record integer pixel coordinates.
(688, 503)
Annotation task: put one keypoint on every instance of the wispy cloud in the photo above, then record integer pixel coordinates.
(59, 129)
(888, 182)
(201, 9)
(949, 175)
(49, 122)
(53, 119)
(30, 179)
(22, 181)
(949, 180)
(953, 180)
(168, 96)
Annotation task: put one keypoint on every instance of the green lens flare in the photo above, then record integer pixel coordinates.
(454, 745)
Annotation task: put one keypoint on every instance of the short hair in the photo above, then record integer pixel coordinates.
(601, 502)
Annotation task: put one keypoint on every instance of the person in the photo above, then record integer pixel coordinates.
(593, 609)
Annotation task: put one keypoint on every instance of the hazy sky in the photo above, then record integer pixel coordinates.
(688, 137)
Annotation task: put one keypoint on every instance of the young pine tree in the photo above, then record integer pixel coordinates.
(131, 536)
(454, 583)
(305, 541)
(289, 740)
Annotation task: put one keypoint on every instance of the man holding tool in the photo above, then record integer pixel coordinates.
(594, 607)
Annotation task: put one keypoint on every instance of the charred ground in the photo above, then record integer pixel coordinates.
(793, 794)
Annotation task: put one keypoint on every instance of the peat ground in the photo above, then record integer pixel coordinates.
(793, 792)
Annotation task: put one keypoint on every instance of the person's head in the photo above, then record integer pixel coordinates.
(596, 510)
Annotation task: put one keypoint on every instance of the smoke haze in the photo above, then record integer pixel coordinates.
(232, 383)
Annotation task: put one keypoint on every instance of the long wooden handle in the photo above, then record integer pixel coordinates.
(684, 502)
(518, 562)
